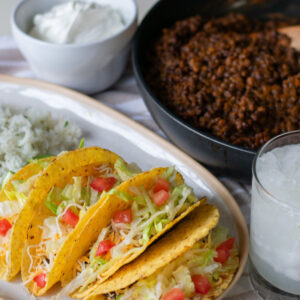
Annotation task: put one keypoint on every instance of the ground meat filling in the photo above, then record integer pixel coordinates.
(232, 77)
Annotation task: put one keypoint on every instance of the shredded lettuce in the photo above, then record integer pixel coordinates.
(126, 171)
(50, 228)
(50, 201)
(216, 276)
(9, 208)
(17, 195)
(148, 220)
(147, 233)
(160, 222)
(81, 143)
(140, 200)
(176, 193)
(77, 189)
(61, 207)
(181, 198)
(121, 194)
(67, 191)
(86, 195)
(19, 184)
(208, 257)
(148, 201)
(5, 179)
(99, 261)
(203, 259)
(13, 195)
(52, 207)
(53, 245)
(58, 198)
(39, 161)
(183, 277)
(53, 237)
(168, 173)
(178, 273)
(219, 235)
(94, 196)
(24, 186)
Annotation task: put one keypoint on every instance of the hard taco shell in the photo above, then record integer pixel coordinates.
(171, 246)
(102, 218)
(10, 258)
(80, 162)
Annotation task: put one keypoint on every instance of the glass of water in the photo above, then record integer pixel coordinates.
(275, 218)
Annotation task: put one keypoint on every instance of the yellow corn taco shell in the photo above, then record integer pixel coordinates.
(11, 250)
(194, 228)
(102, 218)
(77, 163)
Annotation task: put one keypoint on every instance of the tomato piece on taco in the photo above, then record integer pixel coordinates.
(128, 222)
(68, 193)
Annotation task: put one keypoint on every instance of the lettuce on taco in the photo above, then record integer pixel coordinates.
(14, 203)
(66, 194)
(196, 260)
(131, 217)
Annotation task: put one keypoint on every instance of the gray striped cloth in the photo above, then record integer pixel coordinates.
(125, 98)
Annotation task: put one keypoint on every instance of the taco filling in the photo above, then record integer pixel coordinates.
(131, 229)
(16, 193)
(66, 207)
(196, 274)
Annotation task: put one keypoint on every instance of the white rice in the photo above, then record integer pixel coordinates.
(30, 134)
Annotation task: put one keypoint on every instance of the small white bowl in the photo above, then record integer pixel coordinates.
(88, 68)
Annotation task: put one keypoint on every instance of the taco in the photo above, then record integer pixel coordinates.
(14, 196)
(193, 261)
(130, 218)
(66, 195)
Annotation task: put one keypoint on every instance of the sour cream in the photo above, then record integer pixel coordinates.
(77, 22)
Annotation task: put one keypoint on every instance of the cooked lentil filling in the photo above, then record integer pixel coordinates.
(235, 78)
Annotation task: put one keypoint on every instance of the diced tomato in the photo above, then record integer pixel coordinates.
(101, 184)
(223, 255)
(160, 197)
(104, 247)
(4, 226)
(228, 244)
(40, 280)
(174, 294)
(123, 216)
(162, 184)
(201, 283)
(223, 250)
(70, 218)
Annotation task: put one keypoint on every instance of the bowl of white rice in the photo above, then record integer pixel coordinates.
(29, 134)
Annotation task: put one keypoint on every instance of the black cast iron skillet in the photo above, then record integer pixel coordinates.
(221, 157)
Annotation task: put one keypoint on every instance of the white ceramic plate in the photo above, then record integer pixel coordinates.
(109, 129)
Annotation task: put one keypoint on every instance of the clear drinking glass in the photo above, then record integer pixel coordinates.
(275, 220)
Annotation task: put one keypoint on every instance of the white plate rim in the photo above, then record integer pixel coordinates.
(215, 184)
